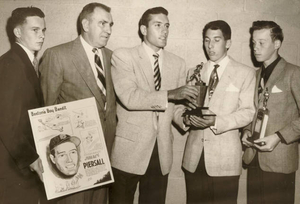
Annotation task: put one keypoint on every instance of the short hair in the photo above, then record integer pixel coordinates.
(19, 15)
(218, 25)
(275, 30)
(88, 10)
(146, 17)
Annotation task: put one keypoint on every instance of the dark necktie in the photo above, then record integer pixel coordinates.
(261, 85)
(157, 78)
(213, 81)
(100, 71)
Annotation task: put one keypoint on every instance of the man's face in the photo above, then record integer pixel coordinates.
(265, 50)
(156, 34)
(98, 27)
(215, 45)
(31, 33)
(66, 158)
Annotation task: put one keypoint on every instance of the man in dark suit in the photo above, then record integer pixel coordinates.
(81, 69)
(273, 163)
(20, 91)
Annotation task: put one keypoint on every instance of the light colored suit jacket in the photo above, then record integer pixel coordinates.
(283, 104)
(138, 106)
(233, 104)
(66, 75)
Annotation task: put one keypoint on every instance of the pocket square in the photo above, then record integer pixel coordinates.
(232, 88)
(275, 89)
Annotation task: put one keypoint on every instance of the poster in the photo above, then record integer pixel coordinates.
(71, 145)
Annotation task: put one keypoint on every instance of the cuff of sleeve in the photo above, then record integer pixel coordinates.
(282, 140)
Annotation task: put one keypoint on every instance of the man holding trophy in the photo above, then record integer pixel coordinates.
(273, 158)
(212, 160)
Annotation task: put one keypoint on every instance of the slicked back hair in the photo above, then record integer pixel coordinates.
(275, 30)
(146, 17)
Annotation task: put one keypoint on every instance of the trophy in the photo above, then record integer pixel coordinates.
(261, 120)
(202, 88)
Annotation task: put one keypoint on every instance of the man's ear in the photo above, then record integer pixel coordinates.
(85, 24)
(228, 44)
(17, 32)
(277, 44)
(143, 30)
(52, 158)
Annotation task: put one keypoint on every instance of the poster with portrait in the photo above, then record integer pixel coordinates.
(71, 145)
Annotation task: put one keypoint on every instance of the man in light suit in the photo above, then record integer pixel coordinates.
(148, 80)
(212, 160)
(272, 166)
(20, 91)
(81, 69)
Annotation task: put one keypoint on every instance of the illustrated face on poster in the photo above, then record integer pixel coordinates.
(64, 154)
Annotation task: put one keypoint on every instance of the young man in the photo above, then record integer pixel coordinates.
(272, 166)
(212, 160)
(20, 91)
(81, 69)
(147, 79)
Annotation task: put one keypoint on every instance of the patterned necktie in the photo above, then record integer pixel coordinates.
(100, 71)
(213, 81)
(35, 64)
(157, 78)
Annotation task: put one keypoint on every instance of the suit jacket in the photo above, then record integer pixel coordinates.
(20, 91)
(283, 104)
(144, 115)
(232, 102)
(66, 75)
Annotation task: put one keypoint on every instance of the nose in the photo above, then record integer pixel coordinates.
(42, 34)
(210, 44)
(69, 159)
(108, 29)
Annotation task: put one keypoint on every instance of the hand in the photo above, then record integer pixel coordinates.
(187, 92)
(270, 143)
(245, 137)
(202, 123)
(186, 120)
(37, 166)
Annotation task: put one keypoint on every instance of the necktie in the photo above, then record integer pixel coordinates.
(35, 64)
(213, 81)
(157, 78)
(262, 82)
(100, 71)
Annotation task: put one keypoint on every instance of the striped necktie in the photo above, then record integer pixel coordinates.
(100, 71)
(213, 81)
(157, 78)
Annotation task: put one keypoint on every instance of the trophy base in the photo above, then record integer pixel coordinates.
(200, 112)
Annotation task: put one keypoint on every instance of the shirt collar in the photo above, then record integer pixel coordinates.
(87, 47)
(266, 72)
(151, 52)
(222, 63)
(28, 52)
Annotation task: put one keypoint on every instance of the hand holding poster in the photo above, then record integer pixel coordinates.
(71, 145)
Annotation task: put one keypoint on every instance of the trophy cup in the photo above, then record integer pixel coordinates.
(261, 121)
(202, 88)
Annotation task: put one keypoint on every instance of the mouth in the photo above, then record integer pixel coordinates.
(70, 166)
(211, 53)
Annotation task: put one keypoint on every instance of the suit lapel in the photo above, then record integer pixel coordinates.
(145, 65)
(81, 62)
(276, 74)
(29, 71)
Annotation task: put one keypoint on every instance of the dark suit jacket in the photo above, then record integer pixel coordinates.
(20, 91)
(66, 75)
(284, 103)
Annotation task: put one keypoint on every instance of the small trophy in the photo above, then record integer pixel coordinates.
(202, 88)
(261, 120)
